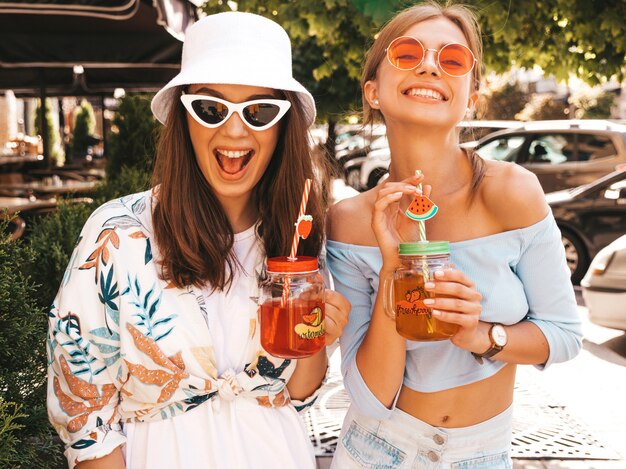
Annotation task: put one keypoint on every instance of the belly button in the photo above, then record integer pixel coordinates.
(444, 419)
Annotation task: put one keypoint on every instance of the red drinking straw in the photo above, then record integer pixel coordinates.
(296, 236)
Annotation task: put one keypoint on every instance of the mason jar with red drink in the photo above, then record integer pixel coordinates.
(292, 308)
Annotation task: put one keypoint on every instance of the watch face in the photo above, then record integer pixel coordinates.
(499, 335)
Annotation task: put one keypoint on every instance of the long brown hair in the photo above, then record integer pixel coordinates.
(193, 234)
(466, 21)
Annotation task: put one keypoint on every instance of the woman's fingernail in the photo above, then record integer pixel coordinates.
(429, 301)
(440, 274)
(429, 285)
(436, 312)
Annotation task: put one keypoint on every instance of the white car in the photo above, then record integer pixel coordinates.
(374, 167)
(604, 286)
(376, 164)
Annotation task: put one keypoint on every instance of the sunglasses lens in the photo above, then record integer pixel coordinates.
(211, 112)
(260, 114)
(405, 53)
(456, 60)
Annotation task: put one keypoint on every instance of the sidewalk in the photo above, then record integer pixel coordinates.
(571, 416)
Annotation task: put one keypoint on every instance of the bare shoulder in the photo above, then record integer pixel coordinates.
(513, 195)
(349, 221)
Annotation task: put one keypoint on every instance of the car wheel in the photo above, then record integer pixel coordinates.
(575, 255)
(353, 178)
(375, 176)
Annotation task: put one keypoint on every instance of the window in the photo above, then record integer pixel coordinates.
(594, 147)
(552, 149)
(502, 149)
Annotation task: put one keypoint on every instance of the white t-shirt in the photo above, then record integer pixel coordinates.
(225, 434)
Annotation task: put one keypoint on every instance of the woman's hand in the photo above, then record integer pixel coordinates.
(337, 311)
(389, 223)
(461, 306)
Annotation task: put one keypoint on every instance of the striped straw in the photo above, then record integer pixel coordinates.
(296, 236)
(296, 239)
(425, 272)
(421, 223)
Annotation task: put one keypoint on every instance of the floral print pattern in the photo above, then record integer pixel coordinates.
(124, 345)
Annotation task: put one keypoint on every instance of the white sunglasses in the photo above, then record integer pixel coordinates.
(258, 114)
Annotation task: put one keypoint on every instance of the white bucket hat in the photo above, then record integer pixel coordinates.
(237, 49)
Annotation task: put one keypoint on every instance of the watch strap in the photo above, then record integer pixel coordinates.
(491, 351)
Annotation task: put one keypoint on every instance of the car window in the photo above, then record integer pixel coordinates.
(552, 149)
(594, 147)
(502, 149)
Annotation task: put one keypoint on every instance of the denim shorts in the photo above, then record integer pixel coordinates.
(404, 442)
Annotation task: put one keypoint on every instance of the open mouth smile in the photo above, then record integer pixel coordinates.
(233, 161)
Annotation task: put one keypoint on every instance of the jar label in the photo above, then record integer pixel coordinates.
(312, 326)
(413, 303)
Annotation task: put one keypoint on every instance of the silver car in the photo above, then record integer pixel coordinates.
(604, 286)
(561, 153)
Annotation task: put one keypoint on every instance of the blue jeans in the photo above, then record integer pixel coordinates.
(404, 442)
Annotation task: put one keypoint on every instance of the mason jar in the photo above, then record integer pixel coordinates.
(404, 292)
(292, 308)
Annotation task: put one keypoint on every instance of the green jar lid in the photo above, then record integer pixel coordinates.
(423, 248)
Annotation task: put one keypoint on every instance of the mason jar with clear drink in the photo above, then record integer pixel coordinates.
(404, 293)
(292, 308)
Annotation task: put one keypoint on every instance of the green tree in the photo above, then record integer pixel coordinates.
(84, 127)
(53, 139)
(592, 103)
(542, 107)
(503, 102)
(561, 36)
(133, 136)
(329, 39)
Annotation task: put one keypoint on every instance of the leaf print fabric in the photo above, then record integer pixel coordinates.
(124, 346)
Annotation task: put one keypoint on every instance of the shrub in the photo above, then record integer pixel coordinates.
(23, 324)
(128, 181)
(133, 136)
(52, 239)
(84, 127)
(53, 150)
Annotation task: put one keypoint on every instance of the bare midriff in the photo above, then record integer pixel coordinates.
(462, 406)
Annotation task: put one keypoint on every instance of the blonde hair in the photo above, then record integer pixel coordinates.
(462, 17)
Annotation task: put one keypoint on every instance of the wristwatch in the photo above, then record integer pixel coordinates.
(498, 338)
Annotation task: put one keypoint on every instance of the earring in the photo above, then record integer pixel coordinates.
(376, 102)
(468, 112)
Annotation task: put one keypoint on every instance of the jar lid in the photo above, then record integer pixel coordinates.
(299, 265)
(423, 248)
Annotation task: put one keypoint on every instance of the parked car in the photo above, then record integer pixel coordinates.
(590, 217)
(373, 167)
(564, 153)
(473, 130)
(604, 286)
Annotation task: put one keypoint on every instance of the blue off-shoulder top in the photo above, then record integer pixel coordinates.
(522, 275)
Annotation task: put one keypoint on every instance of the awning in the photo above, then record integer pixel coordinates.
(131, 44)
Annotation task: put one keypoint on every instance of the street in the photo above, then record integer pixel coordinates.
(571, 416)
(591, 390)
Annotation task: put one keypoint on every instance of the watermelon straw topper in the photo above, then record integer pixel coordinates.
(421, 209)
